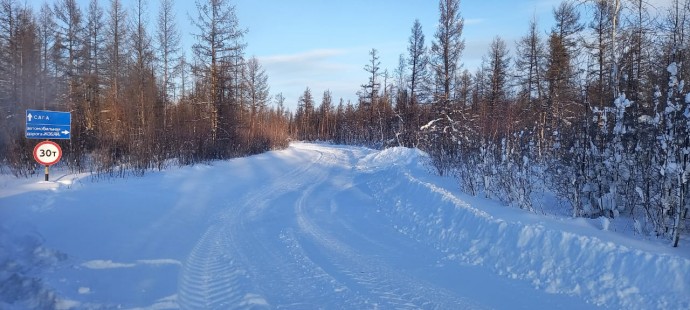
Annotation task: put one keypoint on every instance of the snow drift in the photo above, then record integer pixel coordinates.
(559, 256)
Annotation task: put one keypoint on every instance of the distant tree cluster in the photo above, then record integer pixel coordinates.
(136, 101)
(596, 111)
(371, 121)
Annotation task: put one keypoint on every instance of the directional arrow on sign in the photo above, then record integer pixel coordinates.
(65, 132)
(29, 117)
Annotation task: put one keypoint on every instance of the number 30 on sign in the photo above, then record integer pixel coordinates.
(47, 153)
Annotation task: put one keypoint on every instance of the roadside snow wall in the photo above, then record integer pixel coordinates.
(546, 253)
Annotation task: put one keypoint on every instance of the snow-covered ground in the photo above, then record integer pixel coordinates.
(313, 226)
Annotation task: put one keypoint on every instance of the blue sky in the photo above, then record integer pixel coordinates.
(325, 44)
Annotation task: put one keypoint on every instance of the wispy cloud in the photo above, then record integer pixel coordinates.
(312, 64)
(306, 56)
(474, 21)
(319, 69)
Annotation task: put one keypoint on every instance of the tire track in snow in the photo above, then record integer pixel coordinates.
(215, 274)
(228, 267)
(289, 277)
(380, 285)
(211, 278)
(257, 254)
(331, 291)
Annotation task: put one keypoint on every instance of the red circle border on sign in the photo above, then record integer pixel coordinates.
(43, 143)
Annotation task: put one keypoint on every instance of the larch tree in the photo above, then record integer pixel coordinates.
(370, 92)
(70, 32)
(636, 62)
(168, 42)
(498, 73)
(144, 113)
(418, 64)
(447, 49)
(326, 119)
(46, 35)
(8, 24)
(529, 67)
(70, 57)
(113, 133)
(257, 91)
(441, 135)
(404, 127)
(115, 48)
(497, 98)
(417, 61)
(373, 69)
(94, 45)
(142, 65)
(217, 52)
(561, 70)
(600, 49)
(304, 116)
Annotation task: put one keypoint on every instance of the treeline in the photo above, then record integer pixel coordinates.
(596, 110)
(136, 101)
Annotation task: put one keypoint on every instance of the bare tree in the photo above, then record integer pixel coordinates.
(418, 61)
(529, 66)
(115, 47)
(93, 65)
(70, 32)
(46, 33)
(447, 49)
(373, 68)
(600, 48)
(216, 47)
(256, 81)
(168, 39)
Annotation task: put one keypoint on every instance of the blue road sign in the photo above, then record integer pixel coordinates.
(41, 124)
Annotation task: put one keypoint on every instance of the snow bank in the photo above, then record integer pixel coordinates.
(556, 256)
(390, 157)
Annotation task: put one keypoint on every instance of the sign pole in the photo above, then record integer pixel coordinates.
(47, 170)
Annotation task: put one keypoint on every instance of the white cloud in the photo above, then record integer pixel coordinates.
(474, 21)
(318, 69)
(302, 56)
(304, 63)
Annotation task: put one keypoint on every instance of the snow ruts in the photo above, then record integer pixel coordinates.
(262, 254)
(211, 279)
(215, 274)
(381, 286)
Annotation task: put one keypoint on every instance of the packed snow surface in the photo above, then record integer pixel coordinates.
(313, 226)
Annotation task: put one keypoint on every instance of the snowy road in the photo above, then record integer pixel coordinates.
(310, 227)
(310, 239)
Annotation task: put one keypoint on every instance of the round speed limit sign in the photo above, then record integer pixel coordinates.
(47, 153)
